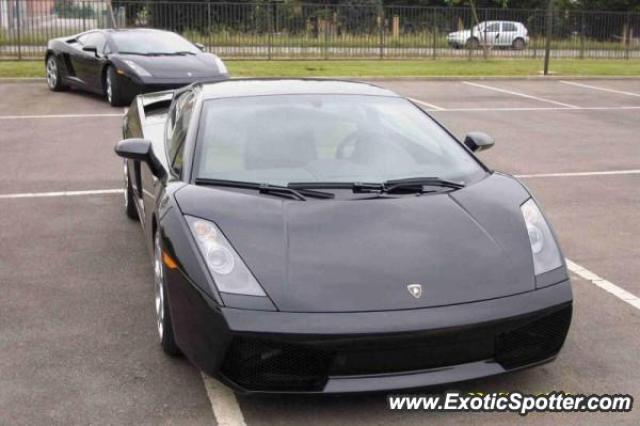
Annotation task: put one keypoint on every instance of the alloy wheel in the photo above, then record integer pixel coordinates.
(109, 89)
(52, 72)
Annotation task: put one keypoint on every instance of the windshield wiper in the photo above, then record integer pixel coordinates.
(266, 188)
(418, 183)
(133, 53)
(178, 53)
(411, 185)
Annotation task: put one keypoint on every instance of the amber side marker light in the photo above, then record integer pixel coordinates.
(168, 261)
(119, 71)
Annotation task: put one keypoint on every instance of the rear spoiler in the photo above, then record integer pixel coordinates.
(152, 106)
(154, 102)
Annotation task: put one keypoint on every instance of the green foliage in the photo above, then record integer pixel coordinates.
(69, 9)
(612, 5)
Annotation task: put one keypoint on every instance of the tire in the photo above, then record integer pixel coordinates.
(161, 302)
(113, 88)
(473, 43)
(129, 199)
(518, 44)
(54, 76)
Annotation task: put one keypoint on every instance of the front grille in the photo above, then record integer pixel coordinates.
(300, 363)
(536, 341)
(410, 352)
(263, 365)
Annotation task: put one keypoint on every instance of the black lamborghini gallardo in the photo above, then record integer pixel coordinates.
(121, 64)
(328, 236)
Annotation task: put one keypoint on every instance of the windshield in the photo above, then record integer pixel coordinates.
(151, 42)
(325, 138)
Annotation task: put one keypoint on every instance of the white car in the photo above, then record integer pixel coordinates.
(495, 33)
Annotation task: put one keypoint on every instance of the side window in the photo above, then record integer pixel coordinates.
(177, 127)
(509, 27)
(93, 39)
(493, 28)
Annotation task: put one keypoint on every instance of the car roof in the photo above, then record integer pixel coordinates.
(134, 30)
(497, 22)
(299, 86)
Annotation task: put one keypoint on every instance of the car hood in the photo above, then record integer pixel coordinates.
(361, 255)
(461, 33)
(179, 66)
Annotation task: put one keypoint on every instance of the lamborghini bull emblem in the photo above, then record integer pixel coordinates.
(415, 290)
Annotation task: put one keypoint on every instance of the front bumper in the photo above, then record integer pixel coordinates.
(262, 351)
(133, 85)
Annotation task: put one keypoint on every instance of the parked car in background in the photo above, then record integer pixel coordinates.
(493, 33)
(123, 63)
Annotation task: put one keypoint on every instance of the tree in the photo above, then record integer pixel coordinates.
(609, 5)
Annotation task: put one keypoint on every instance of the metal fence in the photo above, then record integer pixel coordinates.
(276, 30)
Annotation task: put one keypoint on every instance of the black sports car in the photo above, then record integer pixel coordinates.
(121, 64)
(328, 236)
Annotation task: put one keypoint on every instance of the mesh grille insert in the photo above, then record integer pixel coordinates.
(536, 341)
(260, 364)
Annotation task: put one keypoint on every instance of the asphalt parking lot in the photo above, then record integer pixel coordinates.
(77, 335)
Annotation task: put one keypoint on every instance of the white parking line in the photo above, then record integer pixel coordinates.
(223, 403)
(607, 286)
(24, 117)
(431, 107)
(604, 89)
(620, 108)
(523, 95)
(61, 193)
(575, 174)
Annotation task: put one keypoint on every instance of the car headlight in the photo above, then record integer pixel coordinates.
(229, 272)
(137, 68)
(546, 255)
(222, 68)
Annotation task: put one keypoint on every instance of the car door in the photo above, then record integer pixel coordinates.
(170, 152)
(491, 33)
(508, 33)
(88, 65)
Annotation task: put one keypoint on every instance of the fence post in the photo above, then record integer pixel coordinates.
(18, 19)
(325, 32)
(209, 48)
(111, 15)
(549, 33)
(485, 44)
(270, 29)
(434, 31)
(627, 35)
(381, 29)
(471, 43)
(582, 31)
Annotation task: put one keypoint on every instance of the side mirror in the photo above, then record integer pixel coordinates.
(478, 141)
(200, 46)
(140, 150)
